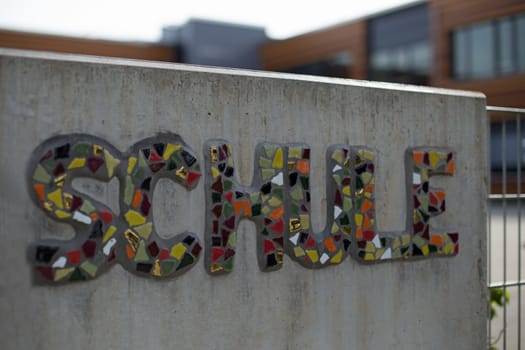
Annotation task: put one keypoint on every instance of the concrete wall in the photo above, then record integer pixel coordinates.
(435, 303)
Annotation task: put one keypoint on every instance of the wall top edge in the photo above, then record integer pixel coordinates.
(88, 59)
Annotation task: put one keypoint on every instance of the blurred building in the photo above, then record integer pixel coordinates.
(215, 43)
(472, 45)
(64, 44)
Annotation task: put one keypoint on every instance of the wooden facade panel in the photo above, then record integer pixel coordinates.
(30, 41)
(448, 15)
(312, 47)
(505, 91)
(458, 13)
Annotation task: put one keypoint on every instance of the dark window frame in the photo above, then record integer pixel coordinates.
(468, 58)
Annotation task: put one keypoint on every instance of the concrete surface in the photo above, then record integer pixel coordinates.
(427, 304)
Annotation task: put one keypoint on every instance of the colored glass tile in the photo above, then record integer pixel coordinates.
(56, 198)
(177, 251)
(77, 163)
(87, 207)
(140, 254)
(60, 274)
(134, 218)
(89, 268)
(144, 230)
(111, 162)
(94, 163)
(278, 159)
(81, 149)
(170, 149)
(44, 254)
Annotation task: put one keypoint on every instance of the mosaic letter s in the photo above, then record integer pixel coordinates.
(102, 237)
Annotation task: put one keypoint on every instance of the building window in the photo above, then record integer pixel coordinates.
(408, 64)
(398, 46)
(489, 49)
(336, 66)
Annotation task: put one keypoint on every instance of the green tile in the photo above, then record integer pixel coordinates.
(81, 149)
(128, 191)
(90, 268)
(41, 175)
(141, 254)
(87, 207)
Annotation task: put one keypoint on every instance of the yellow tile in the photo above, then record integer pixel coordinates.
(61, 273)
(448, 248)
(312, 254)
(405, 239)
(131, 164)
(278, 159)
(170, 148)
(214, 172)
(366, 154)
(134, 218)
(111, 162)
(346, 190)
(335, 228)
(338, 156)
(178, 251)
(77, 163)
(433, 158)
(425, 249)
(336, 259)
(358, 219)
(56, 197)
(110, 232)
(369, 257)
(62, 214)
(274, 201)
(295, 152)
(298, 251)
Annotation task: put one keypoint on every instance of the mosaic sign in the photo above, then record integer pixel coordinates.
(278, 201)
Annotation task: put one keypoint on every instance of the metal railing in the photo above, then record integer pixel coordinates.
(506, 208)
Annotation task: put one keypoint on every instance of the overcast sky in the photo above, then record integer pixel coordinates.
(143, 20)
